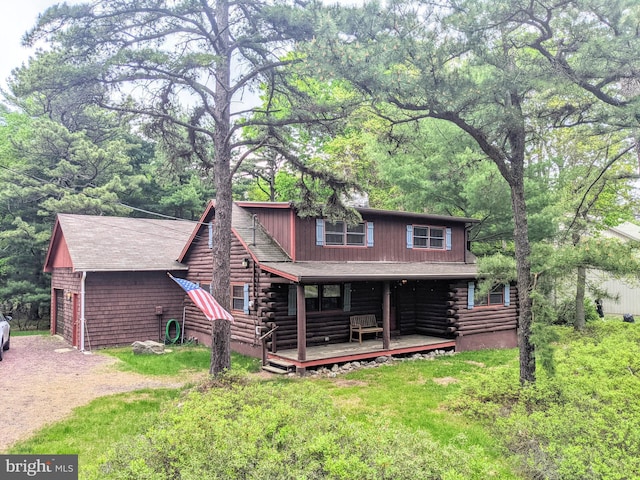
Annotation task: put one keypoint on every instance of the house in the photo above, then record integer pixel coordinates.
(298, 282)
(109, 283)
(627, 291)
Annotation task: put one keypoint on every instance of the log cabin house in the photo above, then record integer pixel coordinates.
(109, 283)
(297, 282)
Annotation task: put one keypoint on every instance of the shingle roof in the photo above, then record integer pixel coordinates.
(101, 243)
(310, 272)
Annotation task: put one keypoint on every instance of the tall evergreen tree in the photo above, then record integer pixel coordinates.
(491, 67)
(187, 67)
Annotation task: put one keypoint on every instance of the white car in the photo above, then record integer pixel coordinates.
(5, 334)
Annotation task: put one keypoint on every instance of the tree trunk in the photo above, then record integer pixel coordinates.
(220, 283)
(580, 321)
(522, 250)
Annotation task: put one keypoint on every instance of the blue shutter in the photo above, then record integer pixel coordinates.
(369, 234)
(409, 236)
(471, 291)
(319, 231)
(210, 235)
(346, 304)
(507, 294)
(246, 298)
(293, 300)
(448, 238)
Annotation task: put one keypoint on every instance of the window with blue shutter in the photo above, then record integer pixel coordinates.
(471, 291)
(210, 235)
(507, 295)
(448, 238)
(409, 236)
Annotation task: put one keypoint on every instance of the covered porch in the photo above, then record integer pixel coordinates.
(330, 354)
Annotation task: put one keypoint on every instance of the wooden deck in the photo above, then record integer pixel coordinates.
(354, 351)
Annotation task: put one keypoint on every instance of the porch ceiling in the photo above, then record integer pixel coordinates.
(312, 272)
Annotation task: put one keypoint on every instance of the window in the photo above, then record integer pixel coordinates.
(495, 297)
(428, 237)
(340, 233)
(322, 297)
(499, 295)
(238, 297)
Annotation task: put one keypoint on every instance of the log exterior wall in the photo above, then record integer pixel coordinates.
(485, 326)
(200, 261)
(436, 308)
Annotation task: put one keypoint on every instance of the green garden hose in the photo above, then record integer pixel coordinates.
(167, 334)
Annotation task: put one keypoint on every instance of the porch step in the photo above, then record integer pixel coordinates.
(280, 367)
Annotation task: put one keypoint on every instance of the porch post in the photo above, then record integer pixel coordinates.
(302, 323)
(386, 315)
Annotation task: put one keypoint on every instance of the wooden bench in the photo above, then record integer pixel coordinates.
(363, 324)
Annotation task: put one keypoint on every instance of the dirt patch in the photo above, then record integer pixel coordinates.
(341, 382)
(445, 380)
(477, 364)
(42, 380)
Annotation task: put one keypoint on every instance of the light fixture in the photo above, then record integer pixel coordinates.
(245, 262)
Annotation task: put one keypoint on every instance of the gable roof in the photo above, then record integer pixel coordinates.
(102, 243)
(261, 246)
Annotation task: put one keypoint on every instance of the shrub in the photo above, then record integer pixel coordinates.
(582, 423)
(281, 430)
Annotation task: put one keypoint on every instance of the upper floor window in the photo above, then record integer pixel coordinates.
(428, 237)
(342, 234)
(424, 236)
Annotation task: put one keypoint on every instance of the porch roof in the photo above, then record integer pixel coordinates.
(316, 272)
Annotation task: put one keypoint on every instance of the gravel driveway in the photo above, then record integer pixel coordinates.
(42, 379)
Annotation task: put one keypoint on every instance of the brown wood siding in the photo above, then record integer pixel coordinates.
(482, 319)
(120, 307)
(390, 244)
(63, 281)
(278, 223)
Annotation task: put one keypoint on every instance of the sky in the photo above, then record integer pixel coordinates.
(15, 19)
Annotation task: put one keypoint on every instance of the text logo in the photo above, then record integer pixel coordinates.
(45, 467)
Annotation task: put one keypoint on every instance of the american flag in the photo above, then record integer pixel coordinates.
(203, 300)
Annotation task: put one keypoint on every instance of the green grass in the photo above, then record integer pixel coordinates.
(92, 429)
(582, 423)
(25, 333)
(177, 360)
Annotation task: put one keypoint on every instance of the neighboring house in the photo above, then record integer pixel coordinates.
(627, 291)
(297, 282)
(109, 283)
